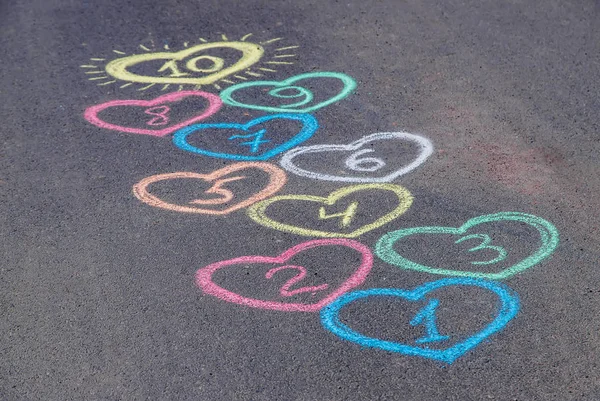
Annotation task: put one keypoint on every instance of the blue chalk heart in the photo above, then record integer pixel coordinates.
(509, 306)
(309, 126)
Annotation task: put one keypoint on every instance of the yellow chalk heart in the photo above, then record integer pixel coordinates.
(257, 212)
(251, 53)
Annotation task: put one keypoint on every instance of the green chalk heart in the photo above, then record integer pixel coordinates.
(286, 85)
(548, 234)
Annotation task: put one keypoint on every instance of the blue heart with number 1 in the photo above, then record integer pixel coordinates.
(251, 141)
(509, 306)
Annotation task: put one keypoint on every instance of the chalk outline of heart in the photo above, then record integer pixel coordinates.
(214, 104)
(257, 212)
(349, 86)
(425, 150)
(310, 126)
(507, 311)
(277, 179)
(118, 67)
(204, 276)
(384, 248)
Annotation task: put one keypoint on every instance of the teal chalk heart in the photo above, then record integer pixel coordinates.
(548, 235)
(288, 85)
(509, 307)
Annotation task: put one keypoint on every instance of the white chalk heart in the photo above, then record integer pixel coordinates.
(357, 162)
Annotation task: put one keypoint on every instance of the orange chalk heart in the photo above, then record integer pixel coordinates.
(277, 179)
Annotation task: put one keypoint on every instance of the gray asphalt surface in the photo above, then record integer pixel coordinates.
(97, 291)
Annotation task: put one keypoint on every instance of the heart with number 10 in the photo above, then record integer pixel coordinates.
(289, 84)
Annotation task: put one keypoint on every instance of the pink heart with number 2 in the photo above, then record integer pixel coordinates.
(157, 111)
(204, 277)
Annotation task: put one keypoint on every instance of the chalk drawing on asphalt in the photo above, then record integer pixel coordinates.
(240, 62)
(359, 158)
(158, 111)
(303, 105)
(206, 63)
(285, 290)
(548, 241)
(451, 348)
(204, 277)
(265, 144)
(219, 179)
(259, 211)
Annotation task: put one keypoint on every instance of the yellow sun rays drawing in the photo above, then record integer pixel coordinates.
(192, 65)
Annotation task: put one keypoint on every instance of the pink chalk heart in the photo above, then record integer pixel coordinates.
(157, 111)
(204, 277)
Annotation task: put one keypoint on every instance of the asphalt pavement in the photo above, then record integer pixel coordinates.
(300, 200)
